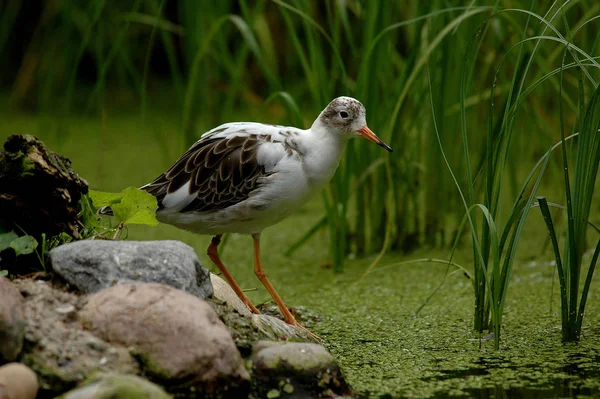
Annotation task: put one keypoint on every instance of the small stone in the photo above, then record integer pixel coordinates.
(63, 362)
(95, 344)
(65, 310)
(177, 336)
(17, 381)
(12, 323)
(93, 265)
(308, 369)
(109, 386)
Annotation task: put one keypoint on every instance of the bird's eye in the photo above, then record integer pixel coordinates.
(344, 114)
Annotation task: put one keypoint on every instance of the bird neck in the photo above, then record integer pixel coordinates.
(323, 157)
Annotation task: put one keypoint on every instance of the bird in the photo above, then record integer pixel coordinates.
(243, 177)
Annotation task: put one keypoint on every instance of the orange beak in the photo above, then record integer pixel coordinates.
(369, 135)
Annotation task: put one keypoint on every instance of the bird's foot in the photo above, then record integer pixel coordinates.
(296, 324)
(273, 310)
(250, 305)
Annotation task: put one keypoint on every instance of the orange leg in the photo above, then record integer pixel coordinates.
(260, 273)
(213, 254)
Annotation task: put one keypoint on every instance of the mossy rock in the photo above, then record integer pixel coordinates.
(116, 386)
(296, 370)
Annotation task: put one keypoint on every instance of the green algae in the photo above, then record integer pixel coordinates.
(387, 351)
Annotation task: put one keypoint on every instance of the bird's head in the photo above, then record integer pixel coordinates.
(347, 117)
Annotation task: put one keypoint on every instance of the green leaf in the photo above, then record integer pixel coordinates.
(4, 273)
(24, 245)
(6, 239)
(88, 214)
(100, 198)
(136, 207)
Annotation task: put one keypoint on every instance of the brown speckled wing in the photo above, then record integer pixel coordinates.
(221, 172)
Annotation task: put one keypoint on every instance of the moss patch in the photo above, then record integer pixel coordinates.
(385, 348)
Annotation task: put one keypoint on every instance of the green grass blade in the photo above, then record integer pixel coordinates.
(586, 287)
(190, 96)
(543, 203)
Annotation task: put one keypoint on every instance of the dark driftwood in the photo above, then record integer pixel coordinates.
(39, 192)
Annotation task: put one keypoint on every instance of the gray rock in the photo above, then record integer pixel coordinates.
(110, 386)
(178, 338)
(59, 350)
(295, 370)
(12, 325)
(18, 381)
(92, 265)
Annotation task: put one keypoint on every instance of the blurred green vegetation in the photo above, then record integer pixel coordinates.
(495, 75)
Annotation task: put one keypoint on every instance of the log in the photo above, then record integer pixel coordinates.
(39, 192)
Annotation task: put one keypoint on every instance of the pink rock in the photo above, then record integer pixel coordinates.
(179, 337)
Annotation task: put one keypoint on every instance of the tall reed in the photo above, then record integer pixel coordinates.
(495, 240)
(579, 191)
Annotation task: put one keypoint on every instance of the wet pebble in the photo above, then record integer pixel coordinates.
(17, 381)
